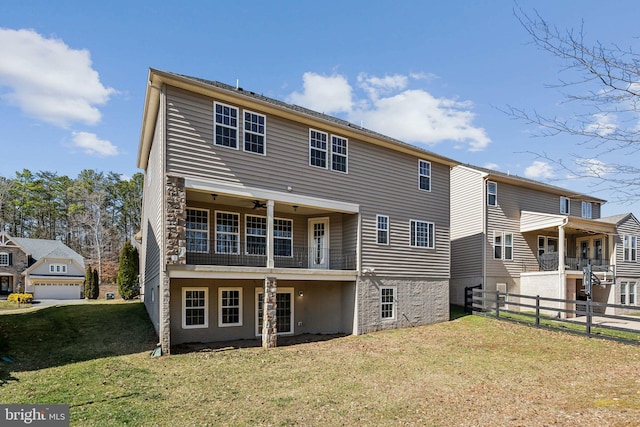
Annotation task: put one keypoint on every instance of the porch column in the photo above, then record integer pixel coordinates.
(270, 251)
(561, 269)
(269, 318)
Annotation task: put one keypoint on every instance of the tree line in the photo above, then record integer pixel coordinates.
(94, 213)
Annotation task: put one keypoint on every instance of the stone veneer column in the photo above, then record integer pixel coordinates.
(269, 319)
(175, 227)
(165, 319)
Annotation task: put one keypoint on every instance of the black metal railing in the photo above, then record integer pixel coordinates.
(550, 261)
(285, 256)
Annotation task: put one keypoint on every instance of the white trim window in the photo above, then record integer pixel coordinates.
(283, 237)
(318, 148)
(229, 307)
(623, 293)
(57, 268)
(424, 175)
(197, 230)
(339, 153)
(195, 308)
(586, 210)
(503, 245)
(255, 235)
(632, 293)
(492, 193)
(387, 302)
(255, 133)
(4, 259)
(225, 125)
(227, 232)
(630, 245)
(565, 205)
(422, 234)
(284, 311)
(382, 229)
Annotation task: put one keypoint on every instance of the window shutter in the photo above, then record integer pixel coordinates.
(10, 258)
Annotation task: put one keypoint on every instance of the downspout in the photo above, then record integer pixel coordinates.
(562, 279)
(485, 178)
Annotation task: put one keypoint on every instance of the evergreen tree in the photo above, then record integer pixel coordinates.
(95, 285)
(88, 283)
(127, 279)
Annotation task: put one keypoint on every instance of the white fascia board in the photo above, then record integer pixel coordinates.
(215, 186)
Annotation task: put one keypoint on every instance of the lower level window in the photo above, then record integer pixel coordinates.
(284, 311)
(387, 303)
(230, 307)
(195, 308)
(628, 293)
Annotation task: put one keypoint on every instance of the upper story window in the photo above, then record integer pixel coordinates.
(197, 230)
(282, 237)
(338, 153)
(227, 233)
(226, 125)
(382, 229)
(586, 210)
(630, 245)
(318, 148)
(492, 193)
(502, 245)
(254, 132)
(57, 268)
(565, 204)
(4, 259)
(422, 234)
(195, 308)
(256, 235)
(424, 175)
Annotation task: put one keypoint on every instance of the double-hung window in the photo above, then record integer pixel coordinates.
(387, 302)
(565, 204)
(4, 258)
(227, 233)
(586, 210)
(503, 245)
(632, 293)
(382, 229)
(256, 235)
(623, 292)
(195, 308)
(197, 230)
(282, 237)
(492, 193)
(226, 125)
(630, 245)
(229, 307)
(254, 132)
(422, 234)
(318, 148)
(424, 175)
(338, 153)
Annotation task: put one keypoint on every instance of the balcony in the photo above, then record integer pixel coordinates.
(285, 256)
(549, 262)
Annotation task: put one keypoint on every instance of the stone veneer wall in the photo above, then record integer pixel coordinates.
(19, 263)
(418, 302)
(175, 231)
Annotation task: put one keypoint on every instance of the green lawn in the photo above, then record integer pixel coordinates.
(470, 371)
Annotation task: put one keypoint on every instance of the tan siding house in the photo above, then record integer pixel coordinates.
(262, 218)
(536, 239)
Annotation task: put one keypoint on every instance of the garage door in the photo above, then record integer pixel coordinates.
(56, 291)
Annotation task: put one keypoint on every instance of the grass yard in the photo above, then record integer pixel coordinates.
(472, 371)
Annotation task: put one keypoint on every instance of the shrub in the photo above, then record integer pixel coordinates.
(20, 298)
(128, 272)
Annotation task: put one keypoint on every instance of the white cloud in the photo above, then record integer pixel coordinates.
(326, 94)
(49, 80)
(92, 145)
(388, 106)
(539, 170)
(603, 124)
(594, 168)
(492, 166)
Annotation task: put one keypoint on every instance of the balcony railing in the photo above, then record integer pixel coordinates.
(234, 254)
(549, 262)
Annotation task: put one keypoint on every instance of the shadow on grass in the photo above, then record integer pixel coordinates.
(283, 341)
(456, 312)
(60, 335)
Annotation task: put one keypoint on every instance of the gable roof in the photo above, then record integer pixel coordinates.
(273, 106)
(617, 219)
(41, 248)
(530, 183)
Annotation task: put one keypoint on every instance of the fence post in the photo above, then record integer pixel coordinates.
(537, 311)
(497, 304)
(589, 317)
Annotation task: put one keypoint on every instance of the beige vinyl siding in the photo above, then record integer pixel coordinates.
(467, 234)
(380, 180)
(629, 226)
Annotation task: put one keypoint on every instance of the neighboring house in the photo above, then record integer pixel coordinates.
(521, 236)
(253, 206)
(46, 268)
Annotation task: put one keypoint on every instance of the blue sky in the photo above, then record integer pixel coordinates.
(435, 74)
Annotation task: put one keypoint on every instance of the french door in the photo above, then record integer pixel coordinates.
(319, 239)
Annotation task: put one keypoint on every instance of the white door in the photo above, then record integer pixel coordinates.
(319, 238)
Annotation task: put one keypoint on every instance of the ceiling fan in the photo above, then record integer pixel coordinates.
(257, 204)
